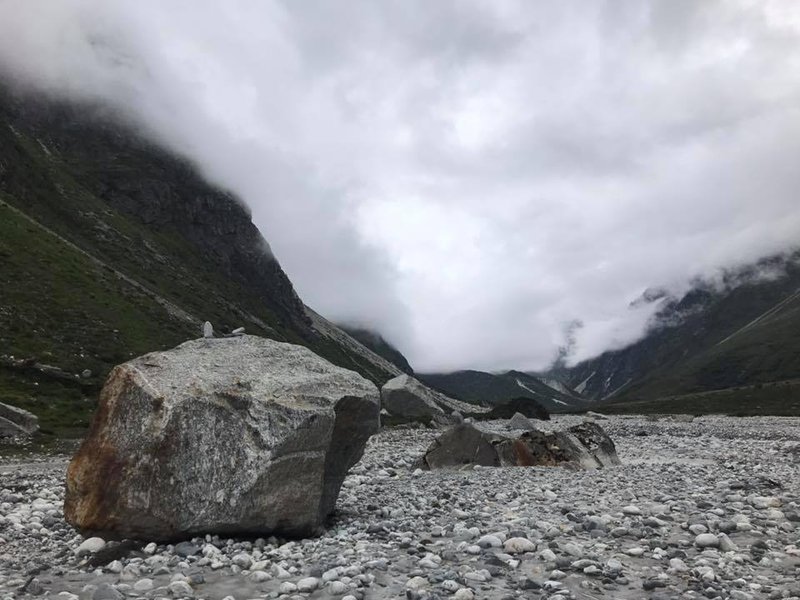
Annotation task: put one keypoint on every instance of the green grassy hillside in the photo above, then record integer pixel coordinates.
(733, 350)
(376, 343)
(110, 248)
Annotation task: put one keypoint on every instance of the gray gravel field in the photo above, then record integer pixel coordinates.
(703, 508)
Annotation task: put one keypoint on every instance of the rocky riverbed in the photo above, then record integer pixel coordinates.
(708, 508)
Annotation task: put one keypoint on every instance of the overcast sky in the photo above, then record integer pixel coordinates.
(468, 178)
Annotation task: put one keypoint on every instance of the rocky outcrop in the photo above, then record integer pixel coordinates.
(586, 446)
(232, 436)
(405, 399)
(16, 422)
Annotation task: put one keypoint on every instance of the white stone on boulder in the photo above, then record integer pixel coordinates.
(239, 435)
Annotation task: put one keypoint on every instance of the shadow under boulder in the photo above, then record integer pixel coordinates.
(584, 446)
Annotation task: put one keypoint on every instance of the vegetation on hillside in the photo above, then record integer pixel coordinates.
(728, 348)
(111, 248)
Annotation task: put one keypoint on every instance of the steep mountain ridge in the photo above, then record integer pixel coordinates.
(111, 247)
(378, 344)
(488, 389)
(739, 336)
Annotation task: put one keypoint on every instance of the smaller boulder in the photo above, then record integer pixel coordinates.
(583, 446)
(407, 400)
(521, 422)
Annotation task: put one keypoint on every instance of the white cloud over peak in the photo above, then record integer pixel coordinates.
(466, 177)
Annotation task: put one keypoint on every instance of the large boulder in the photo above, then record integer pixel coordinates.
(586, 446)
(231, 436)
(17, 423)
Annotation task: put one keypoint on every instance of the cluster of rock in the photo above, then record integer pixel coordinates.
(16, 423)
(245, 435)
(522, 444)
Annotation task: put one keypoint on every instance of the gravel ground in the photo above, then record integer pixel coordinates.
(708, 508)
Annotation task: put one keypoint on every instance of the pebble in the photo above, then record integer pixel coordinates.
(518, 545)
(143, 585)
(706, 540)
(93, 545)
(308, 584)
(181, 589)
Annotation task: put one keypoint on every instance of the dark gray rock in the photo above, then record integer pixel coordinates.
(186, 549)
(407, 399)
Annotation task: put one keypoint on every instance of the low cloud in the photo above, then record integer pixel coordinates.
(472, 179)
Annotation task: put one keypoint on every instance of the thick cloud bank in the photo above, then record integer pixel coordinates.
(473, 179)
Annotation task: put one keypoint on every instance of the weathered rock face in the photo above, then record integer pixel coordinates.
(585, 445)
(16, 422)
(232, 436)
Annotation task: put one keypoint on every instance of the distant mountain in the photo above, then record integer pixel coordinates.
(488, 389)
(729, 346)
(111, 247)
(375, 342)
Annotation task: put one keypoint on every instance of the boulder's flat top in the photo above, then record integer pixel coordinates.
(733, 475)
(247, 365)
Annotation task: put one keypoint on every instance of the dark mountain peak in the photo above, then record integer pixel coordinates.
(729, 335)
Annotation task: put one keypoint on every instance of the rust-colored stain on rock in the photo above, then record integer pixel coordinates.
(96, 469)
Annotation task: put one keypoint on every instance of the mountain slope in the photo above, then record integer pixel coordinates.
(111, 247)
(743, 339)
(375, 342)
(488, 389)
